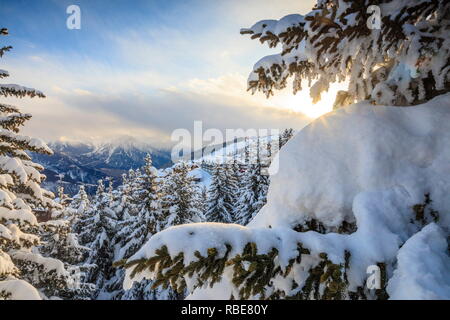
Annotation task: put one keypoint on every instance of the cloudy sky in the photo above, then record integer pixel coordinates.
(143, 68)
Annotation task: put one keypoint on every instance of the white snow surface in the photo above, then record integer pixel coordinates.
(422, 253)
(202, 177)
(49, 264)
(6, 264)
(19, 290)
(236, 150)
(22, 215)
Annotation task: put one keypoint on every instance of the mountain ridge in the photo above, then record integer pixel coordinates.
(77, 163)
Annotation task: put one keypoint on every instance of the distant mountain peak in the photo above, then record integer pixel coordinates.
(86, 162)
(126, 143)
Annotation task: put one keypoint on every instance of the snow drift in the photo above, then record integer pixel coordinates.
(358, 149)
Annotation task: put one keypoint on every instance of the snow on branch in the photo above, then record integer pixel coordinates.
(404, 62)
(18, 290)
(4, 49)
(198, 254)
(19, 91)
(21, 216)
(25, 142)
(265, 263)
(4, 73)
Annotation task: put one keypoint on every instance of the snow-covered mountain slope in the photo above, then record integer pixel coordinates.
(376, 167)
(122, 153)
(230, 150)
(86, 163)
(201, 177)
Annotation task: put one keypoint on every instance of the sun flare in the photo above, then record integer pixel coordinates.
(302, 102)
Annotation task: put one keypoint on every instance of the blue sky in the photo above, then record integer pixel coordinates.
(141, 68)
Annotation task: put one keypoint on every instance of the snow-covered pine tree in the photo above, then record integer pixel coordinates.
(253, 187)
(269, 151)
(125, 208)
(156, 203)
(203, 202)
(142, 209)
(220, 205)
(262, 180)
(24, 272)
(233, 175)
(184, 196)
(151, 218)
(150, 207)
(80, 204)
(165, 197)
(284, 137)
(63, 199)
(403, 61)
(99, 192)
(61, 242)
(247, 190)
(97, 229)
(110, 189)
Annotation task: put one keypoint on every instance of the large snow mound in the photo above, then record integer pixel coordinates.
(357, 149)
